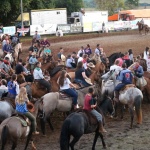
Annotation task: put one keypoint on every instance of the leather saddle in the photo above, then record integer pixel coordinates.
(126, 87)
(63, 95)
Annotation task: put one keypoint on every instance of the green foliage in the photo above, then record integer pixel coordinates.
(111, 5)
(130, 4)
(10, 9)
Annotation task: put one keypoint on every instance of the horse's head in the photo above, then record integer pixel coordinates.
(107, 104)
(20, 78)
(108, 76)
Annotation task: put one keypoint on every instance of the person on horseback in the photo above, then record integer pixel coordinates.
(13, 87)
(21, 107)
(90, 105)
(80, 51)
(125, 76)
(146, 53)
(32, 61)
(65, 86)
(142, 23)
(116, 67)
(37, 37)
(80, 76)
(6, 65)
(88, 50)
(7, 48)
(61, 57)
(15, 40)
(38, 76)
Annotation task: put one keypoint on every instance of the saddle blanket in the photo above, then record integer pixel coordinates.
(62, 95)
(23, 122)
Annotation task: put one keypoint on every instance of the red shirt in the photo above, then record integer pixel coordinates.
(126, 57)
(87, 100)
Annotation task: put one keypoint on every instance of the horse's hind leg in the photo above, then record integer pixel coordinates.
(14, 145)
(49, 122)
(132, 117)
(102, 138)
(73, 142)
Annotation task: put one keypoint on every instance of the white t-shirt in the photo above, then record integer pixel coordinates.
(66, 84)
(116, 68)
(80, 59)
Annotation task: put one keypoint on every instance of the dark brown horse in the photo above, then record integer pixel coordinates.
(142, 27)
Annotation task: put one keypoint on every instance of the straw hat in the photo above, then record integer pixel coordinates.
(30, 107)
(89, 81)
(33, 53)
(91, 65)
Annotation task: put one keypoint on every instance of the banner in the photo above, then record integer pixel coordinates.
(64, 27)
(9, 30)
(75, 28)
(25, 30)
(43, 29)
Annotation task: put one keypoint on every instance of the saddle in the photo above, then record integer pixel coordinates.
(89, 116)
(23, 119)
(63, 95)
(126, 87)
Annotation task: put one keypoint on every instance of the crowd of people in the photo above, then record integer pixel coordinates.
(80, 61)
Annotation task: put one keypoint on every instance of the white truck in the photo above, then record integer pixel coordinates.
(90, 21)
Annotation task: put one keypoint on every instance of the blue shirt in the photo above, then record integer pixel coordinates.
(33, 60)
(12, 88)
(139, 71)
(22, 108)
(125, 76)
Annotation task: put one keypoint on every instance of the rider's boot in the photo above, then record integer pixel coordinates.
(116, 96)
(101, 128)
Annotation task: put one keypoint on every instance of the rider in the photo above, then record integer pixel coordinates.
(90, 105)
(125, 76)
(38, 76)
(65, 84)
(13, 87)
(142, 23)
(116, 67)
(15, 39)
(6, 65)
(21, 107)
(7, 48)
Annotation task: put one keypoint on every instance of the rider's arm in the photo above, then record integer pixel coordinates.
(40, 74)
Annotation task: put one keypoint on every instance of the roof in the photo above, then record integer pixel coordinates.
(140, 13)
(114, 17)
(25, 17)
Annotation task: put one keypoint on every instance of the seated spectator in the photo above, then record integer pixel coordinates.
(3, 87)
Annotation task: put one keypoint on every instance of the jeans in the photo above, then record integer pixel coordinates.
(119, 86)
(73, 94)
(82, 82)
(32, 119)
(45, 84)
(97, 115)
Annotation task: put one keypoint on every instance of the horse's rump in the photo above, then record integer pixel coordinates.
(126, 87)
(63, 95)
(11, 101)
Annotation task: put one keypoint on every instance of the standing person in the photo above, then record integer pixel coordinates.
(13, 87)
(146, 53)
(88, 50)
(103, 27)
(90, 105)
(80, 51)
(38, 76)
(131, 56)
(37, 37)
(21, 107)
(61, 57)
(65, 86)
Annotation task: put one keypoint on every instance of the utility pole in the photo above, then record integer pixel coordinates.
(21, 14)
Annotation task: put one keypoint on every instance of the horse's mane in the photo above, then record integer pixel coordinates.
(119, 53)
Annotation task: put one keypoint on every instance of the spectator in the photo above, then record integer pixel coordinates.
(3, 87)
(88, 50)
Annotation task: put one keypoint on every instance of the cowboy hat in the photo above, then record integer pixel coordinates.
(91, 65)
(30, 107)
(89, 81)
(33, 53)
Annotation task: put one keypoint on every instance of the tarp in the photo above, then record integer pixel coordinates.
(113, 17)
(25, 17)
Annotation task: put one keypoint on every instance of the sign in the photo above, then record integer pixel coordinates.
(9, 30)
(75, 28)
(64, 27)
(25, 30)
(43, 29)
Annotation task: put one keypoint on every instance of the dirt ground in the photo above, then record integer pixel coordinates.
(118, 136)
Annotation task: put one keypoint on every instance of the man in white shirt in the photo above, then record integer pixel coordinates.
(116, 67)
(38, 76)
(80, 51)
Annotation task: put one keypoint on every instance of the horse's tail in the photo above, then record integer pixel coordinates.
(4, 136)
(138, 109)
(65, 136)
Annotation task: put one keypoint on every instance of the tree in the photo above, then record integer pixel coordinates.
(111, 5)
(132, 3)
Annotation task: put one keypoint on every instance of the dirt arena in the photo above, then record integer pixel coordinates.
(118, 136)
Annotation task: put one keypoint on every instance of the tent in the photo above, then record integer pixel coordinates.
(114, 17)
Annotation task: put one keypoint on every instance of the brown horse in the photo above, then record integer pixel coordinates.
(12, 129)
(144, 27)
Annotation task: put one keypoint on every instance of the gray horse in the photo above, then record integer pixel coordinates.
(6, 110)
(52, 101)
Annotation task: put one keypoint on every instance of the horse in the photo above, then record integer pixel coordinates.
(130, 96)
(12, 129)
(54, 101)
(6, 110)
(113, 57)
(17, 51)
(79, 123)
(144, 27)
